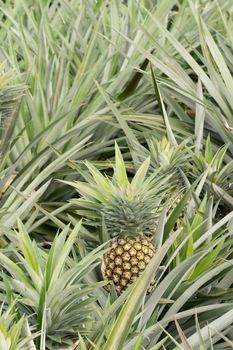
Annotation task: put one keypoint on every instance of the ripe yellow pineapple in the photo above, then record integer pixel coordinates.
(128, 209)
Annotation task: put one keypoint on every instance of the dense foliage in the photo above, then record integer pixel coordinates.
(116, 116)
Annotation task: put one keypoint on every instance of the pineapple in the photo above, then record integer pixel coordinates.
(126, 259)
(129, 209)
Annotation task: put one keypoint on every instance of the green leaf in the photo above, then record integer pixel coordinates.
(132, 84)
(27, 247)
(159, 345)
(178, 208)
(208, 150)
(199, 119)
(120, 170)
(138, 343)
(121, 120)
(100, 180)
(207, 261)
(218, 325)
(170, 133)
(61, 251)
(140, 175)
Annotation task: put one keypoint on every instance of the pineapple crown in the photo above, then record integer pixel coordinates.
(219, 169)
(128, 208)
(166, 158)
(165, 154)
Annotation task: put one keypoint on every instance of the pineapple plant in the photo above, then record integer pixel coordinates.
(171, 158)
(128, 209)
(166, 158)
(218, 165)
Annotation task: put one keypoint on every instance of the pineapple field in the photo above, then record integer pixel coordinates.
(116, 174)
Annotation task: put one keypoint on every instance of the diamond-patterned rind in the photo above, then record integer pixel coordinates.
(125, 260)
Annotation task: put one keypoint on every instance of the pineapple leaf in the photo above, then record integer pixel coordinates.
(140, 175)
(86, 190)
(170, 133)
(120, 170)
(138, 343)
(62, 248)
(100, 180)
(199, 119)
(26, 246)
(174, 215)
